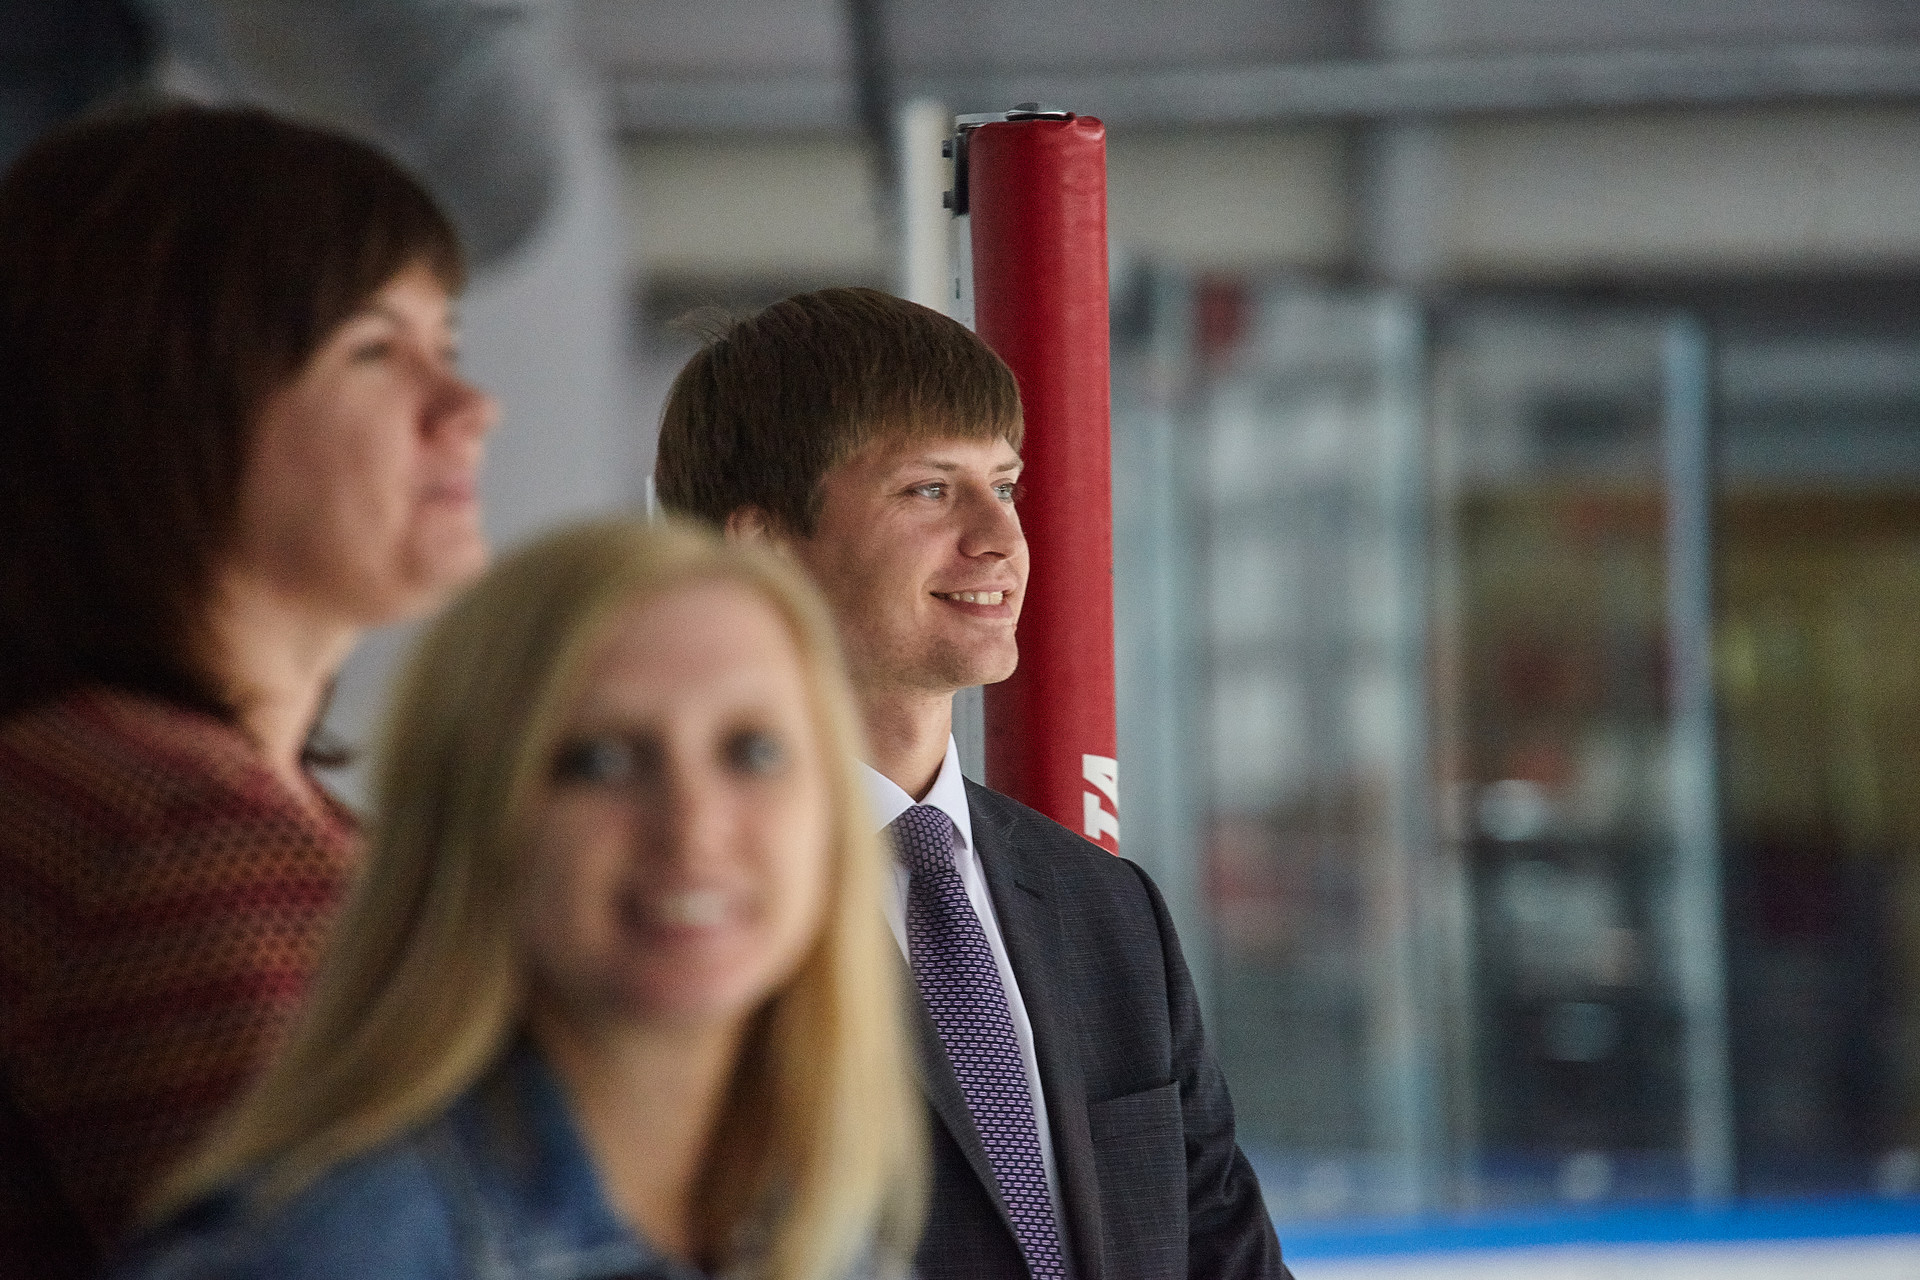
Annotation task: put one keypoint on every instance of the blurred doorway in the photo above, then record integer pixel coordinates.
(1553, 676)
(1817, 536)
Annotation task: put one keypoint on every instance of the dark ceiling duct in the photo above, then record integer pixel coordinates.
(459, 90)
(57, 59)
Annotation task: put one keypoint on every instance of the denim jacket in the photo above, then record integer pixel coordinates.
(497, 1187)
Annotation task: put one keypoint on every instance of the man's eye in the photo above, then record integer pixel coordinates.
(933, 489)
(377, 349)
(756, 753)
(596, 762)
(1007, 490)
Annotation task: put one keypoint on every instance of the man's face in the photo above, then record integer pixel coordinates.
(919, 553)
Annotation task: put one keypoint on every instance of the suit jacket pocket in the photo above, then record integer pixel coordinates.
(1139, 1150)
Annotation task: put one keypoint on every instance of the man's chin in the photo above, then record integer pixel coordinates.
(932, 669)
(984, 670)
(998, 673)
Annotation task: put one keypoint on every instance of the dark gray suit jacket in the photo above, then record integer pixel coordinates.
(1152, 1182)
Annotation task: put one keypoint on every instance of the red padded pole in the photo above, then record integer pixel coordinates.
(1037, 196)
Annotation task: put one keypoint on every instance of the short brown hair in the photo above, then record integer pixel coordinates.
(162, 270)
(775, 401)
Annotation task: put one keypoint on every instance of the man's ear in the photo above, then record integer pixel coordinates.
(755, 527)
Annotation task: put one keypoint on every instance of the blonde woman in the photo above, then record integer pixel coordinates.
(616, 997)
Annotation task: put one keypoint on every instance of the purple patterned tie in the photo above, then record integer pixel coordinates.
(954, 969)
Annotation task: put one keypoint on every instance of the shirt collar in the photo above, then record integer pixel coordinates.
(948, 794)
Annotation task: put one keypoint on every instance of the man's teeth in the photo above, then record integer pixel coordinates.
(975, 597)
(694, 909)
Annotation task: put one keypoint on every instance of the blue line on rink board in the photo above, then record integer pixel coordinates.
(1754, 1220)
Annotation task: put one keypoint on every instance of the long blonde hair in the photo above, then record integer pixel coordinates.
(820, 1157)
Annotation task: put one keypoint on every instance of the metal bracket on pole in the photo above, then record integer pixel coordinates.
(955, 148)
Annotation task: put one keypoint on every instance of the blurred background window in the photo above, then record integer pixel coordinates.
(1549, 743)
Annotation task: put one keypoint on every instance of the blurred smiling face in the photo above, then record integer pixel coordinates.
(678, 860)
(360, 496)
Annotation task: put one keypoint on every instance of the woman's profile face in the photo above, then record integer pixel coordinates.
(359, 500)
(678, 860)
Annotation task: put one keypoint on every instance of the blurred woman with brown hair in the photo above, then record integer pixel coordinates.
(615, 997)
(232, 436)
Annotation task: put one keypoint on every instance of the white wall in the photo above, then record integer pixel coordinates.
(1764, 190)
(1779, 189)
(726, 208)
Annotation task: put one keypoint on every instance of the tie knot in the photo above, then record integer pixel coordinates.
(923, 838)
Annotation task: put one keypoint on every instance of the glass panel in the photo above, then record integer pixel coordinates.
(1537, 814)
(1306, 487)
(1819, 670)
(1554, 747)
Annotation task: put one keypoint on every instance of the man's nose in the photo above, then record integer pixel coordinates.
(993, 526)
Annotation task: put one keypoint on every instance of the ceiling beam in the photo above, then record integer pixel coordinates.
(1297, 93)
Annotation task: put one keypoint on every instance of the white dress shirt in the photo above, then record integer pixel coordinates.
(949, 795)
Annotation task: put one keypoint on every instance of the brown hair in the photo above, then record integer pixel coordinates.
(775, 401)
(163, 270)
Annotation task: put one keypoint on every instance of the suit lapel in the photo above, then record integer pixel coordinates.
(1023, 897)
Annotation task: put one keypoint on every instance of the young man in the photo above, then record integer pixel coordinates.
(1082, 1127)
